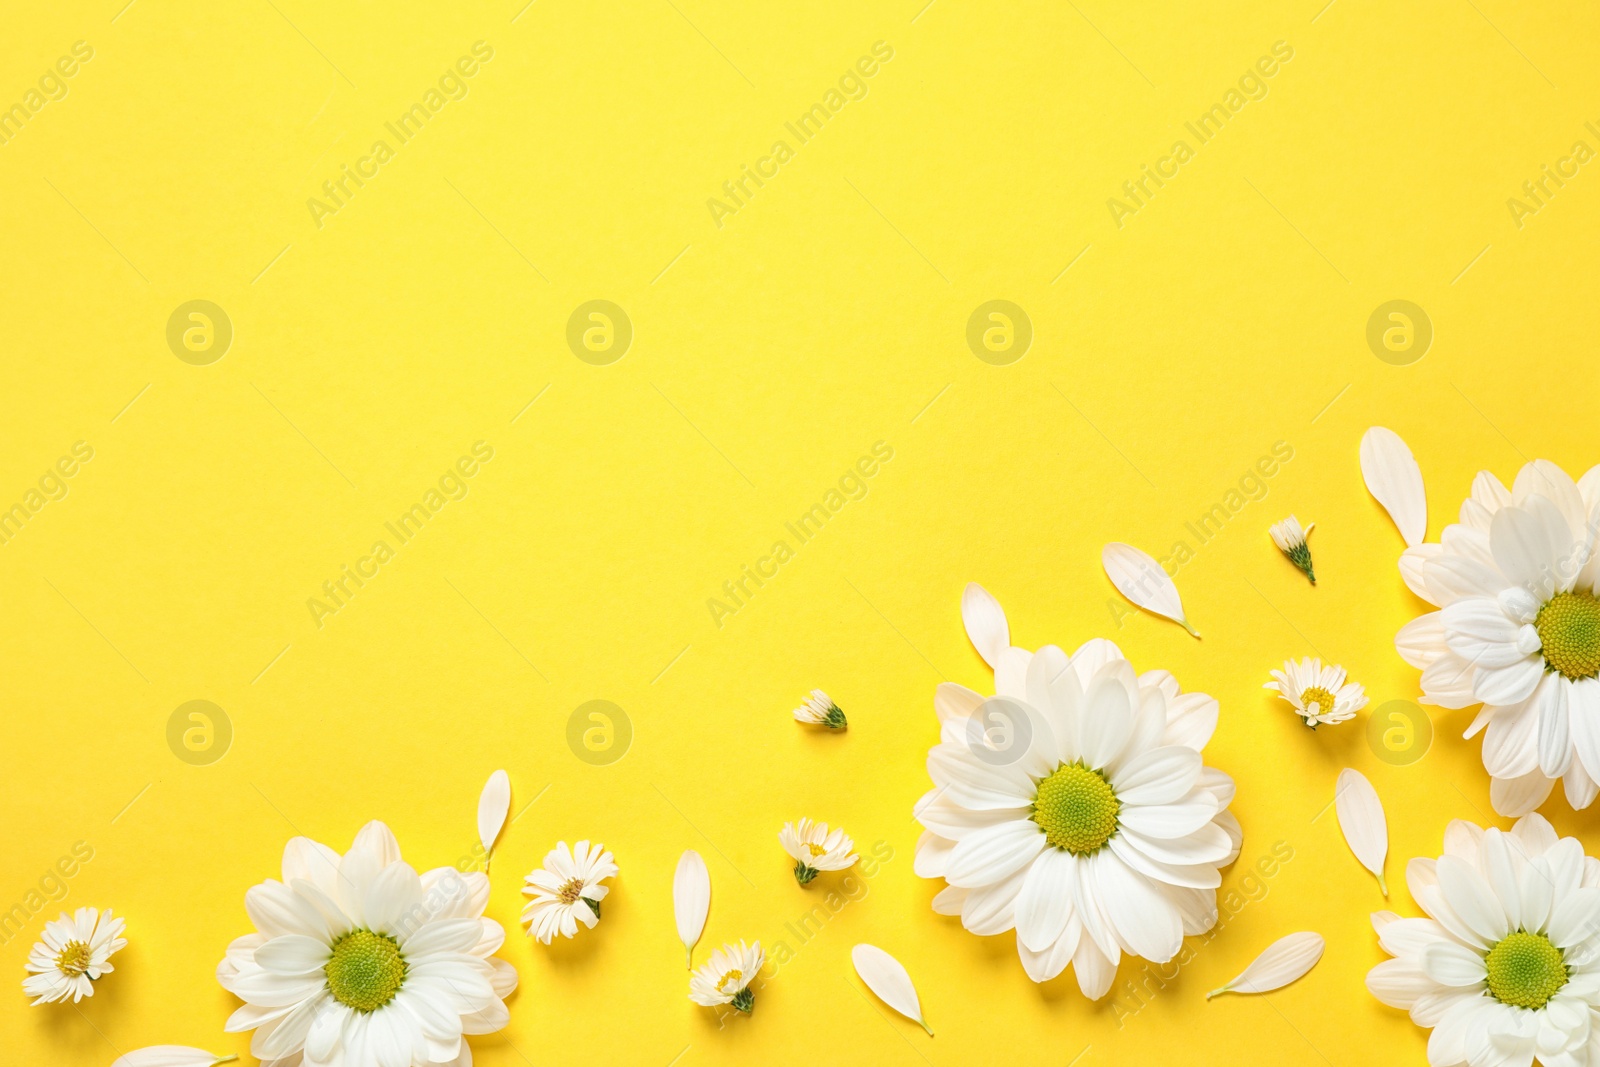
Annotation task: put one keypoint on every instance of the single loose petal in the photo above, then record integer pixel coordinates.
(1284, 961)
(494, 804)
(1395, 480)
(1142, 580)
(691, 900)
(888, 979)
(985, 621)
(1362, 820)
(171, 1056)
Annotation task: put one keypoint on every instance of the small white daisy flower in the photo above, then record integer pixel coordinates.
(1319, 694)
(74, 954)
(820, 711)
(1291, 541)
(815, 848)
(567, 890)
(726, 977)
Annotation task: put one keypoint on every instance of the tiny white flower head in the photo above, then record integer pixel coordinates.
(1291, 541)
(1319, 694)
(818, 710)
(726, 977)
(74, 954)
(815, 848)
(567, 890)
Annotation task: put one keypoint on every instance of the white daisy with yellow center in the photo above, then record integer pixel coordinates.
(567, 890)
(360, 960)
(1517, 630)
(726, 977)
(1074, 807)
(814, 848)
(74, 954)
(1507, 968)
(1319, 695)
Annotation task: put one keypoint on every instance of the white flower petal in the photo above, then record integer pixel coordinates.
(1515, 797)
(1362, 820)
(1395, 480)
(1453, 965)
(990, 854)
(691, 900)
(886, 977)
(1283, 962)
(494, 805)
(1045, 903)
(986, 623)
(1142, 580)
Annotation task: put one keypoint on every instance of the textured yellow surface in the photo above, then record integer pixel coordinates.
(776, 340)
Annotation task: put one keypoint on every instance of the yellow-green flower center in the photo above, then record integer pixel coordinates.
(1569, 634)
(1525, 970)
(73, 959)
(730, 980)
(365, 971)
(1317, 700)
(1076, 808)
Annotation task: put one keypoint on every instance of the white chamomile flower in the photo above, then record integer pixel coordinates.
(1074, 807)
(815, 848)
(1517, 630)
(1319, 694)
(726, 977)
(1291, 541)
(1507, 969)
(362, 961)
(819, 710)
(75, 953)
(567, 890)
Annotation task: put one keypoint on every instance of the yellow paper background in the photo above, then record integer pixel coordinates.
(828, 314)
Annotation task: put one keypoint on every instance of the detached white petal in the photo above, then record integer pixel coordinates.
(691, 900)
(494, 804)
(1393, 477)
(888, 979)
(1284, 961)
(1142, 580)
(171, 1056)
(1362, 820)
(985, 621)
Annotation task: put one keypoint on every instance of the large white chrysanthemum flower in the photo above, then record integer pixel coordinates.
(567, 890)
(73, 954)
(361, 962)
(1518, 630)
(1074, 806)
(1507, 969)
